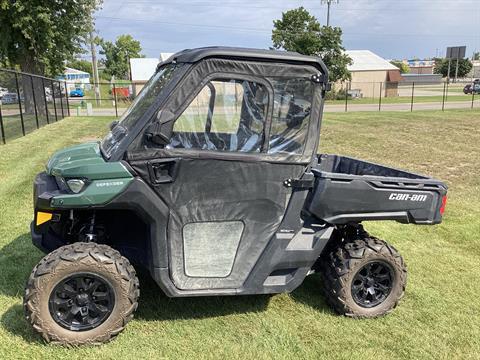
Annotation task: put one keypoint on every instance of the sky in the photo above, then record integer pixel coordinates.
(394, 29)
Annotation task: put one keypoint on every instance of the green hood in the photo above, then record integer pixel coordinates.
(85, 161)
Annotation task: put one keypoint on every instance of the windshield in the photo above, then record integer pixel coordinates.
(139, 106)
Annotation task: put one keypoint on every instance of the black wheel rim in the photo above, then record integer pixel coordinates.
(81, 302)
(372, 284)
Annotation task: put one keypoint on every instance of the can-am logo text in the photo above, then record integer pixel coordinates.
(407, 197)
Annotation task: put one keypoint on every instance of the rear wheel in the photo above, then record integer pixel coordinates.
(364, 277)
(84, 293)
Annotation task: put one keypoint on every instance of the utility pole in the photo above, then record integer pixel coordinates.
(96, 79)
(329, 2)
(456, 70)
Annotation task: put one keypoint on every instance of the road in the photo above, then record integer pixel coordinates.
(403, 106)
(328, 108)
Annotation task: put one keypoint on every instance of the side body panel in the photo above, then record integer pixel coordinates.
(351, 190)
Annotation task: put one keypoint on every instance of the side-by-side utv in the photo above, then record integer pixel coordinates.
(212, 182)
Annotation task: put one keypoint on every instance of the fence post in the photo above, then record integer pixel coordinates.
(446, 94)
(66, 97)
(54, 102)
(34, 101)
(380, 98)
(20, 104)
(61, 98)
(443, 98)
(45, 100)
(346, 96)
(115, 97)
(473, 96)
(413, 91)
(1, 126)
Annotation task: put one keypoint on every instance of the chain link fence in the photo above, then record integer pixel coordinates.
(112, 99)
(406, 96)
(100, 99)
(28, 102)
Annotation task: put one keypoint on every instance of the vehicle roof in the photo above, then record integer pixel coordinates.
(194, 55)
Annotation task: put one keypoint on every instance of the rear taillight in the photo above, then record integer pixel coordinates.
(444, 203)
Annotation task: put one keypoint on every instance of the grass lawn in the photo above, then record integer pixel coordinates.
(439, 317)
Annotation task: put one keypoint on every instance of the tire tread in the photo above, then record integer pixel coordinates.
(337, 264)
(103, 254)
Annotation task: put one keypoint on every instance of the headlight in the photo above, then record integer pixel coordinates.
(76, 185)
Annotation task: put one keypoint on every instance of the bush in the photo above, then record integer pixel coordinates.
(337, 94)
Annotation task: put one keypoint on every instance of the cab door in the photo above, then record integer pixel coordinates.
(225, 191)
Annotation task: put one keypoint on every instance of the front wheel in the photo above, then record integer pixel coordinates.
(84, 293)
(363, 278)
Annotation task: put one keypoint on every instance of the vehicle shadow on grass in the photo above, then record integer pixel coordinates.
(18, 258)
(154, 305)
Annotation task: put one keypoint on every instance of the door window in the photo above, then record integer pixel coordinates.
(291, 115)
(226, 115)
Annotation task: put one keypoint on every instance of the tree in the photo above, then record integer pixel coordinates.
(476, 56)
(404, 69)
(40, 35)
(118, 54)
(299, 31)
(82, 65)
(441, 67)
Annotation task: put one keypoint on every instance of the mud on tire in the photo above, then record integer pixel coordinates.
(95, 260)
(347, 261)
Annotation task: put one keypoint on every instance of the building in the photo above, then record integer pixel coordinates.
(369, 71)
(421, 79)
(75, 78)
(165, 56)
(141, 69)
(475, 72)
(421, 67)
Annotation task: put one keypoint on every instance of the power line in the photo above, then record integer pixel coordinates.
(247, 6)
(265, 30)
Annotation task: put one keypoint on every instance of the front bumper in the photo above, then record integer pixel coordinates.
(44, 189)
(46, 242)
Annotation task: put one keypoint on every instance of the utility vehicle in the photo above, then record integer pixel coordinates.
(212, 182)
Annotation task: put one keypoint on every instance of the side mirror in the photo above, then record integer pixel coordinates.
(157, 134)
(165, 116)
(113, 124)
(160, 131)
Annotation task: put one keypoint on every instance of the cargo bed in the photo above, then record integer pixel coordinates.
(350, 190)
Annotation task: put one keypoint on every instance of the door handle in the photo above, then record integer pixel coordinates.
(163, 171)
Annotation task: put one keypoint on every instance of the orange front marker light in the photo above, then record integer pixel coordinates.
(43, 217)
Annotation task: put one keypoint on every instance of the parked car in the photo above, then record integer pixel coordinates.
(9, 98)
(77, 92)
(472, 88)
(214, 198)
